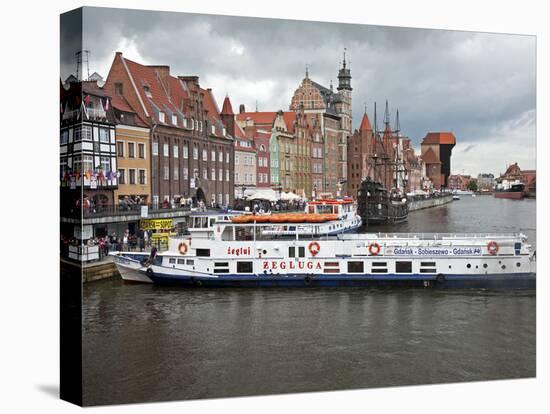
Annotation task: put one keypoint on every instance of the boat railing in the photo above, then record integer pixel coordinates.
(430, 236)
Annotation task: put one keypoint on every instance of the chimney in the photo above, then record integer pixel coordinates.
(194, 80)
(241, 109)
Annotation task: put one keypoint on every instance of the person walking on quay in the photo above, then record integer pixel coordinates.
(146, 238)
(125, 241)
(113, 241)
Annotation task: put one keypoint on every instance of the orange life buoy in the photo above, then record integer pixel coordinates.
(182, 247)
(492, 247)
(314, 248)
(374, 248)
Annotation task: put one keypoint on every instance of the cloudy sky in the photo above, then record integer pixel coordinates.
(480, 86)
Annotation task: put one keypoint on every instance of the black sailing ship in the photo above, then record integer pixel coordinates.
(377, 204)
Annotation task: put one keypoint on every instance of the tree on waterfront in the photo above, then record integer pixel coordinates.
(472, 185)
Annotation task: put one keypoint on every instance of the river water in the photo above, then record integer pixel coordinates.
(146, 343)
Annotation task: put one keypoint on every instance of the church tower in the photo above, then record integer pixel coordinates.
(344, 111)
(344, 89)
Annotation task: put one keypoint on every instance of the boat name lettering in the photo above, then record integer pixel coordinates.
(420, 251)
(291, 265)
(239, 251)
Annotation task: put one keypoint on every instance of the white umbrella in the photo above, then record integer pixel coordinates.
(290, 196)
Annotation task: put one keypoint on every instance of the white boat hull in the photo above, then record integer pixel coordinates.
(131, 269)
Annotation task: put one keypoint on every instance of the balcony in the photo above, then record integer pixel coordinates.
(91, 114)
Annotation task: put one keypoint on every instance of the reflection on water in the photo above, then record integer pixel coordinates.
(145, 343)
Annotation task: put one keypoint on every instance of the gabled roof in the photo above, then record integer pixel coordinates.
(429, 157)
(365, 123)
(213, 115)
(441, 138)
(259, 118)
(227, 109)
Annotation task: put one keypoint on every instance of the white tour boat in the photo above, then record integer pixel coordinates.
(230, 253)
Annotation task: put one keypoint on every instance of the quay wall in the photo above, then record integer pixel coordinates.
(429, 202)
(90, 272)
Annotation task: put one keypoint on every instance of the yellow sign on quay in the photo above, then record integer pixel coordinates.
(156, 224)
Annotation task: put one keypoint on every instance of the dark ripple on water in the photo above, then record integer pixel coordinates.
(146, 343)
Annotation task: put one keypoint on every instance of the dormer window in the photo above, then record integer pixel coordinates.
(174, 120)
(118, 88)
(224, 132)
(213, 129)
(161, 116)
(147, 91)
(185, 122)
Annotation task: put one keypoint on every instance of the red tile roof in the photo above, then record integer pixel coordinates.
(259, 118)
(365, 124)
(209, 103)
(227, 109)
(439, 138)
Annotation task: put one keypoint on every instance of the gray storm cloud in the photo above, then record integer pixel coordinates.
(481, 86)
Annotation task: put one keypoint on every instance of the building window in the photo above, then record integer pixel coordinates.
(131, 150)
(213, 155)
(147, 90)
(118, 88)
(185, 173)
(155, 148)
(195, 153)
(185, 151)
(120, 149)
(83, 132)
(161, 116)
(204, 155)
(220, 156)
(165, 150)
(226, 199)
(175, 120)
(64, 138)
(213, 129)
(132, 176)
(226, 175)
(142, 177)
(224, 131)
(122, 176)
(166, 173)
(105, 163)
(104, 135)
(236, 159)
(176, 151)
(220, 199)
(176, 173)
(141, 150)
(213, 177)
(227, 157)
(185, 122)
(205, 174)
(220, 174)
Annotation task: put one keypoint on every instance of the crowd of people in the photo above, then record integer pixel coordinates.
(139, 242)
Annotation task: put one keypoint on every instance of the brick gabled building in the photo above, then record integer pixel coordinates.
(191, 150)
(332, 111)
(361, 147)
